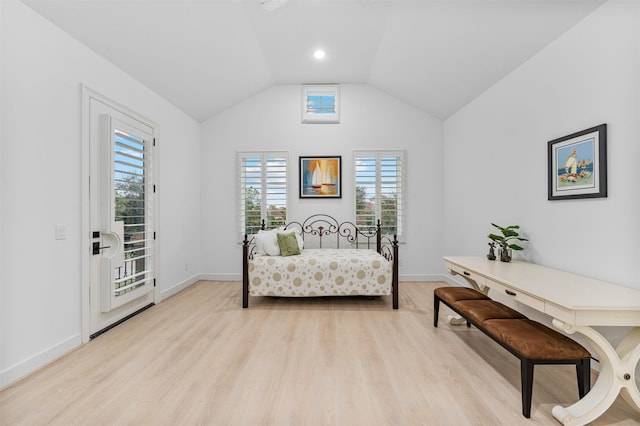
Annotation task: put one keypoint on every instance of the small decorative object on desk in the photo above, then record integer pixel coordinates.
(505, 254)
(492, 253)
(504, 241)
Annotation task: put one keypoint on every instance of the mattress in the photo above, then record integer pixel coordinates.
(321, 272)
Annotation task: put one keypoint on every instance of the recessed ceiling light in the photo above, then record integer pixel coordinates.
(319, 54)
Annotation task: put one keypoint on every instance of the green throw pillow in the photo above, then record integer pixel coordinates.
(288, 244)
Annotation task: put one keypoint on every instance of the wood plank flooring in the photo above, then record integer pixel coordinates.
(198, 358)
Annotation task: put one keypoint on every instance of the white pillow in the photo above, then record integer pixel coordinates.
(259, 238)
(267, 242)
(300, 241)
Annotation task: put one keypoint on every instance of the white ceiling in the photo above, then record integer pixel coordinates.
(206, 55)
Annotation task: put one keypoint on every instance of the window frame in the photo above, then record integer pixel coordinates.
(264, 157)
(400, 179)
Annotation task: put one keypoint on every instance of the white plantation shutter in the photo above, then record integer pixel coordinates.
(379, 189)
(275, 183)
(132, 191)
(366, 188)
(263, 190)
(321, 103)
(250, 193)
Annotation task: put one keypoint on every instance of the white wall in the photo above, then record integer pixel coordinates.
(370, 119)
(495, 152)
(494, 169)
(1, 185)
(42, 72)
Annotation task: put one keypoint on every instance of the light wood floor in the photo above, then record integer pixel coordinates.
(200, 359)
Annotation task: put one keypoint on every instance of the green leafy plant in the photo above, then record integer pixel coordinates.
(508, 234)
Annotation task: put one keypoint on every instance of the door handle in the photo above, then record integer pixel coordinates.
(510, 293)
(112, 237)
(96, 248)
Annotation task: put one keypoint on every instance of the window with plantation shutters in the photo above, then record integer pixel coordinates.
(320, 103)
(379, 189)
(263, 190)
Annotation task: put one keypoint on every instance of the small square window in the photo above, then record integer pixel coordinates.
(321, 103)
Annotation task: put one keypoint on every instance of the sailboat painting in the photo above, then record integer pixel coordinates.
(576, 165)
(320, 177)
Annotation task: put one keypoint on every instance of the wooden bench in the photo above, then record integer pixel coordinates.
(533, 343)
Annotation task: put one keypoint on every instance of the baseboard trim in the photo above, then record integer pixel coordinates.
(420, 277)
(165, 294)
(38, 361)
(220, 277)
(452, 281)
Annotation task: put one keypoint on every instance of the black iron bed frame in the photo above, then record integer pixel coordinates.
(319, 226)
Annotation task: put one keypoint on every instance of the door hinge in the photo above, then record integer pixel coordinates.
(154, 141)
(154, 189)
(154, 282)
(154, 235)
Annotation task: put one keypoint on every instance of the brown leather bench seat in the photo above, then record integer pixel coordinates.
(478, 311)
(455, 294)
(533, 343)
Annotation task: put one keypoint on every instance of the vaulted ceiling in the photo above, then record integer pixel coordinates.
(206, 55)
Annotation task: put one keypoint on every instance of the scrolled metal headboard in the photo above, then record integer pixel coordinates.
(325, 231)
(322, 227)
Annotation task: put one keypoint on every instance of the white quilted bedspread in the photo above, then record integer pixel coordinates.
(321, 272)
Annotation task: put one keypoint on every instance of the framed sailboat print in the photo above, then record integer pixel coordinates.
(321, 177)
(577, 165)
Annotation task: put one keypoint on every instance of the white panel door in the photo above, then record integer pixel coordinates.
(121, 198)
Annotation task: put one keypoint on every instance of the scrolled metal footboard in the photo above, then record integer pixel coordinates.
(388, 248)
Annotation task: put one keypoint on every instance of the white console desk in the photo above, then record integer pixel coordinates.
(576, 303)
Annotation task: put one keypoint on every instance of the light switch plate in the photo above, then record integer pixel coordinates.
(61, 232)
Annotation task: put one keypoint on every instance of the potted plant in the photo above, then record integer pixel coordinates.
(507, 240)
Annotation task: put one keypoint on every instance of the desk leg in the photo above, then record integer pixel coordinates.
(457, 319)
(617, 375)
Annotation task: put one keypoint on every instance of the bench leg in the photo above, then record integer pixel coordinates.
(583, 370)
(526, 381)
(453, 320)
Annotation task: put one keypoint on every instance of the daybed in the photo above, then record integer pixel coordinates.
(335, 259)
